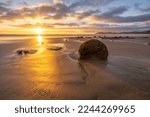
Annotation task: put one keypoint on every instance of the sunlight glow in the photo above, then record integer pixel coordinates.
(38, 30)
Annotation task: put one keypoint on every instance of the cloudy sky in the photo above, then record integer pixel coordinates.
(74, 16)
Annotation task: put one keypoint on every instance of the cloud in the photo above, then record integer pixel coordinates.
(29, 25)
(145, 9)
(65, 24)
(7, 3)
(57, 1)
(120, 19)
(129, 19)
(2, 4)
(89, 3)
(24, 3)
(63, 16)
(116, 27)
(48, 11)
(59, 10)
(113, 16)
(3, 8)
(115, 11)
(47, 25)
(85, 14)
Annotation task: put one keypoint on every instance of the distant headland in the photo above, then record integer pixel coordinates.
(132, 32)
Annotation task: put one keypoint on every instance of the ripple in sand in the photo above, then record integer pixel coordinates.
(41, 92)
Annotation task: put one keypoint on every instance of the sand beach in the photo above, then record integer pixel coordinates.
(51, 70)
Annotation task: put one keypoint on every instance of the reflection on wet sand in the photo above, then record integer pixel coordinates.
(84, 73)
(47, 75)
(43, 67)
(40, 39)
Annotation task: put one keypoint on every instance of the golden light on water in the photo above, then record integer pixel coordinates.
(40, 39)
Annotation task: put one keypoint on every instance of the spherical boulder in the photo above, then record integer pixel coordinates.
(93, 49)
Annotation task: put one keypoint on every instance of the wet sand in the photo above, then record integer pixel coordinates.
(57, 74)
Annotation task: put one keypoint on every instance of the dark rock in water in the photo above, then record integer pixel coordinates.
(93, 49)
(24, 52)
(55, 48)
(148, 43)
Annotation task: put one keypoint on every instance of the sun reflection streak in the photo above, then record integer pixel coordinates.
(40, 39)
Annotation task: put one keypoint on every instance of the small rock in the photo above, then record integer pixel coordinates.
(25, 52)
(93, 49)
(22, 52)
(55, 48)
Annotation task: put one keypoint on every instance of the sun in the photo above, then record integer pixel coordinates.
(38, 30)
